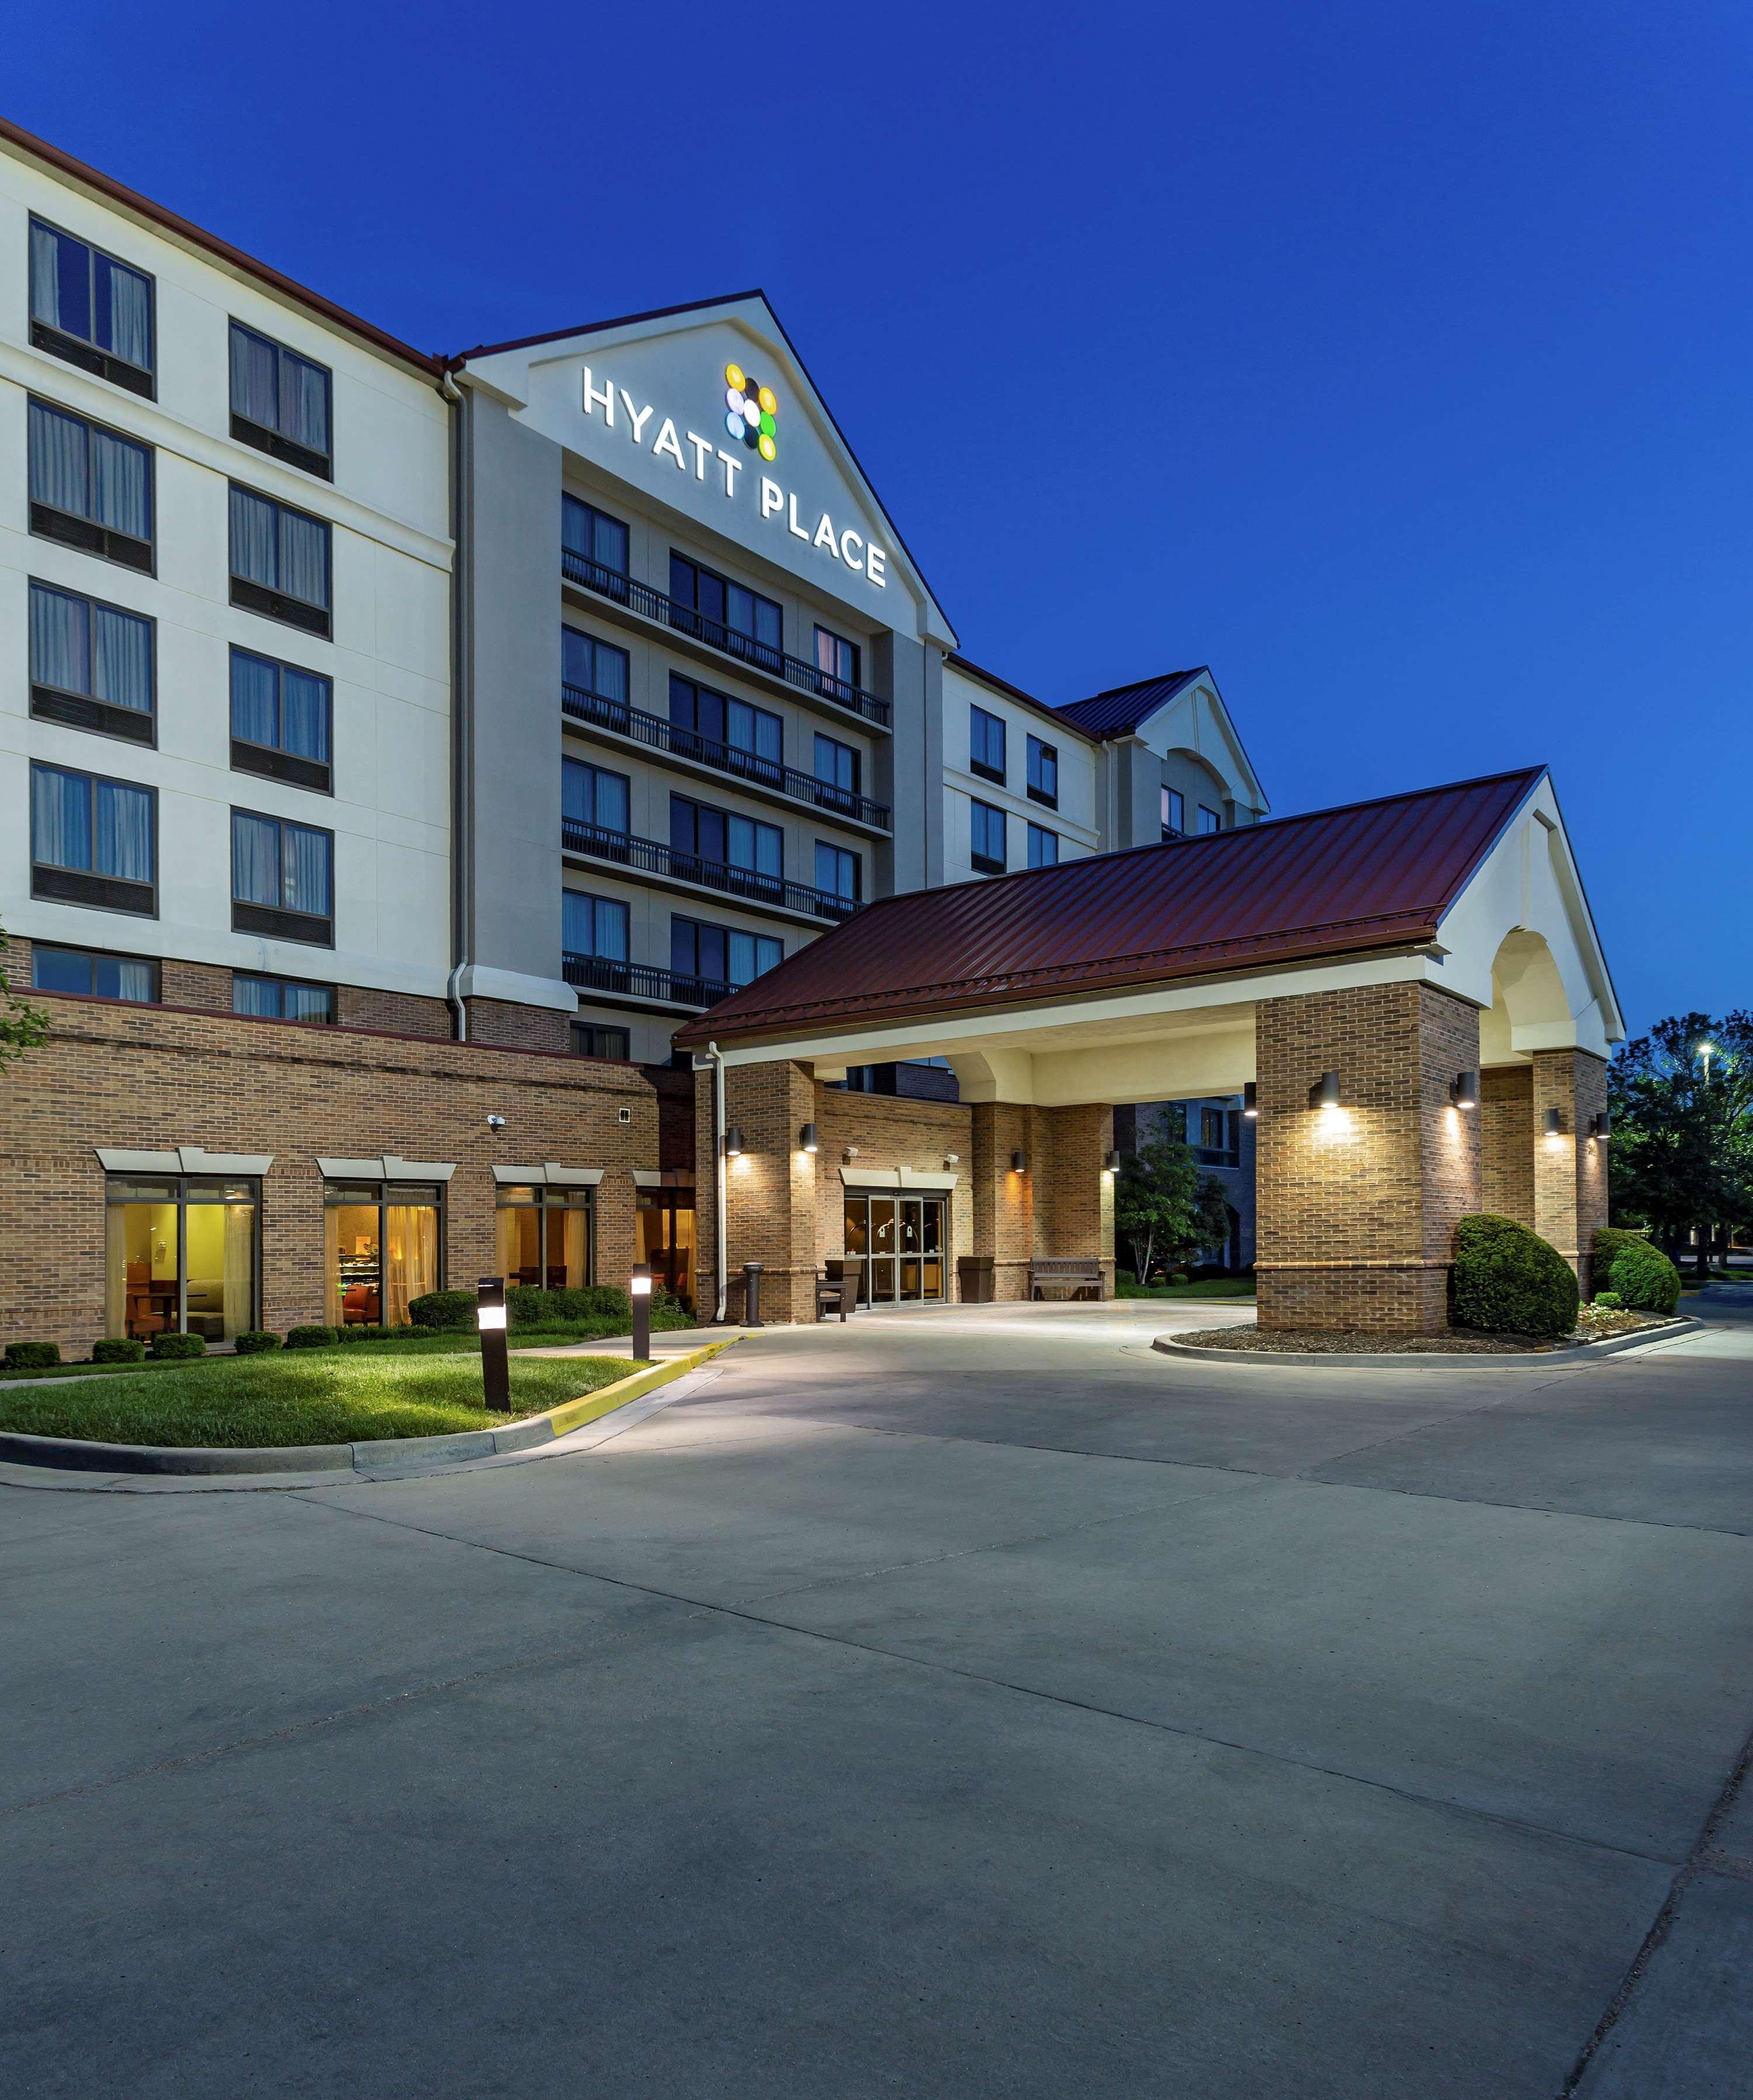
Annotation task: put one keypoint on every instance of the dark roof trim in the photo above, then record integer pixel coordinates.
(596, 327)
(972, 670)
(197, 236)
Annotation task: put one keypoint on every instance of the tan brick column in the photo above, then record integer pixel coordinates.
(1506, 1142)
(1073, 1200)
(771, 1190)
(1570, 1167)
(1003, 1202)
(1357, 1205)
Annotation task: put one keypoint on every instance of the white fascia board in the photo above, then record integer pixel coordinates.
(475, 981)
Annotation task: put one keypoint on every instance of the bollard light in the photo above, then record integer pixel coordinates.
(639, 1290)
(495, 1368)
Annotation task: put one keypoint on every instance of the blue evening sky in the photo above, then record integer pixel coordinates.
(1397, 361)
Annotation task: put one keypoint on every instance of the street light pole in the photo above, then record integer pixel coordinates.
(495, 1368)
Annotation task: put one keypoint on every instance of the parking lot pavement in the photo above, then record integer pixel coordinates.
(964, 1703)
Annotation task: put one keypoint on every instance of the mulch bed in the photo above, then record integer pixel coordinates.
(1458, 1342)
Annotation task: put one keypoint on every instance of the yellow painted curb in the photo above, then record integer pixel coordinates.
(574, 1413)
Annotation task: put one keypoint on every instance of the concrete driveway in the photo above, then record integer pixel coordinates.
(972, 1703)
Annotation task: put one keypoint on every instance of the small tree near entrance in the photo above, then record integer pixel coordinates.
(1165, 1210)
(22, 1026)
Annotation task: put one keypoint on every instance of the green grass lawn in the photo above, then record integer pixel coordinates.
(365, 1391)
(1221, 1287)
(411, 1342)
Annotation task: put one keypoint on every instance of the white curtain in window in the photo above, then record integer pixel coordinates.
(255, 699)
(120, 497)
(258, 995)
(308, 869)
(46, 279)
(576, 925)
(611, 921)
(121, 659)
(307, 1003)
(124, 831)
(411, 1265)
(254, 541)
(57, 460)
(304, 402)
(304, 714)
(255, 860)
(130, 314)
(303, 558)
(133, 981)
(239, 1287)
(610, 674)
(58, 640)
(60, 811)
(254, 390)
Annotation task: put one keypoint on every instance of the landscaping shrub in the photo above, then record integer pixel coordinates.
(118, 1349)
(177, 1348)
(1609, 1301)
(1645, 1279)
(309, 1337)
(255, 1342)
(1509, 1280)
(1123, 1276)
(369, 1334)
(32, 1356)
(531, 1308)
(1610, 1243)
(443, 1308)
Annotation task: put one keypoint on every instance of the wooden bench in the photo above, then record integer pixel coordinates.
(1077, 1274)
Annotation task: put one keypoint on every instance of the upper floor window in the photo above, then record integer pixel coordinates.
(89, 487)
(90, 976)
(837, 767)
(986, 744)
(986, 841)
(93, 841)
(280, 720)
(700, 831)
(282, 998)
(838, 871)
(281, 402)
(728, 615)
(282, 878)
(592, 795)
(589, 1040)
(731, 724)
(1208, 819)
(90, 664)
(280, 561)
(1174, 813)
(593, 670)
(1043, 773)
(593, 925)
(1043, 847)
(90, 309)
(720, 954)
(837, 660)
(593, 536)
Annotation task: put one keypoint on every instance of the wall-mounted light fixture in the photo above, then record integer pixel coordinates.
(1324, 1093)
(1111, 1162)
(732, 1143)
(806, 1138)
(1554, 1123)
(495, 1122)
(1250, 1103)
(850, 1152)
(1464, 1090)
(1019, 1162)
(1601, 1126)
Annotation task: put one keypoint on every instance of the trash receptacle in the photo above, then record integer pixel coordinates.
(974, 1279)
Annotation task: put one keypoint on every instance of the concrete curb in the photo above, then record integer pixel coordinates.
(80, 1454)
(1425, 1360)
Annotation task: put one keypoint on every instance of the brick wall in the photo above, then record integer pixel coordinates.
(148, 1079)
(400, 1013)
(518, 1027)
(1570, 1169)
(194, 984)
(1357, 1207)
(1506, 1142)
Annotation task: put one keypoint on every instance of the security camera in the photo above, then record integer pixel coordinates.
(495, 1122)
(952, 1159)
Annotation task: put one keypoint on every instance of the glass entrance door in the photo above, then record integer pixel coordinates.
(902, 1239)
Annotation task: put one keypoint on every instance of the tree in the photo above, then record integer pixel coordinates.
(1164, 1209)
(1683, 1128)
(22, 1026)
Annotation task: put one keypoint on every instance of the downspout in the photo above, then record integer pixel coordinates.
(711, 1054)
(462, 705)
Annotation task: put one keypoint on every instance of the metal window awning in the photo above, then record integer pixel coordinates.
(183, 1159)
(548, 1175)
(387, 1166)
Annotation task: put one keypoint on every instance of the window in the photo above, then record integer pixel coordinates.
(1174, 813)
(181, 1255)
(588, 1040)
(728, 615)
(698, 831)
(90, 975)
(279, 561)
(986, 842)
(592, 795)
(93, 842)
(837, 768)
(282, 878)
(837, 660)
(593, 925)
(89, 308)
(282, 998)
(90, 664)
(281, 402)
(595, 542)
(986, 745)
(89, 487)
(837, 871)
(1211, 1132)
(382, 1247)
(593, 676)
(280, 720)
(708, 958)
(1208, 819)
(1043, 847)
(705, 718)
(545, 1236)
(1043, 773)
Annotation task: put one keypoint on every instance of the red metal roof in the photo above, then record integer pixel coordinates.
(1336, 882)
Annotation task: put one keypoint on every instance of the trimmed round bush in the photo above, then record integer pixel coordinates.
(1608, 1243)
(255, 1342)
(32, 1356)
(1609, 1301)
(444, 1309)
(177, 1348)
(1509, 1280)
(309, 1337)
(528, 1307)
(118, 1349)
(1645, 1279)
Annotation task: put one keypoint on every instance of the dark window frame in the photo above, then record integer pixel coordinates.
(1206, 831)
(273, 762)
(727, 817)
(329, 1020)
(95, 956)
(272, 602)
(129, 1188)
(339, 1195)
(595, 898)
(52, 884)
(594, 1029)
(624, 699)
(1174, 813)
(268, 438)
(855, 895)
(855, 786)
(982, 721)
(85, 352)
(1043, 832)
(590, 766)
(984, 863)
(596, 515)
(1043, 760)
(837, 676)
(698, 975)
(74, 528)
(281, 922)
(85, 711)
(750, 643)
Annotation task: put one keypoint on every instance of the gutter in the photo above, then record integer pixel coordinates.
(462, 703)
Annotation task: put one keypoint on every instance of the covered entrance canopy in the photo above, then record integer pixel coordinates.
(1400, 945)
